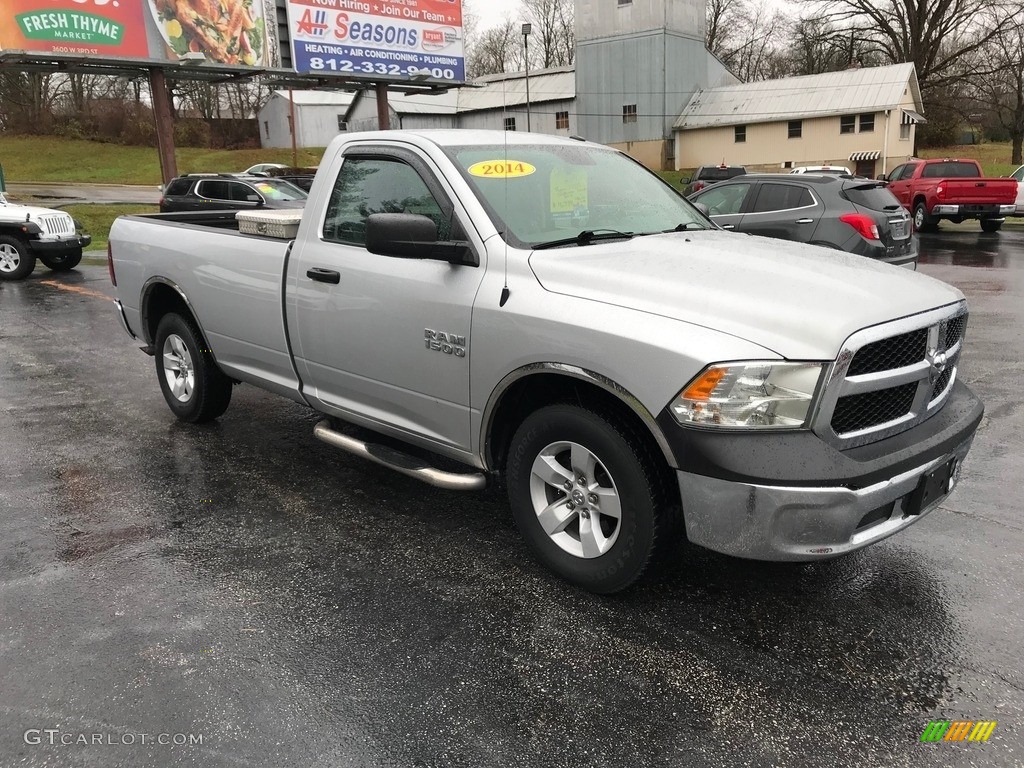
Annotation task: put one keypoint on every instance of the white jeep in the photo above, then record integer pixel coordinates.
(28, 233)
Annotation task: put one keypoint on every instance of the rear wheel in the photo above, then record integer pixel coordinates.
(922, 221)
(195, 389)
(16, 261)
(991, 225)
(588, 495)
(64, 261)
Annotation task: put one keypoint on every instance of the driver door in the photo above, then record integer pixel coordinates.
(725, 202)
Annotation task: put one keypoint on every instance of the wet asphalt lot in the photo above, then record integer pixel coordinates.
(288, 605)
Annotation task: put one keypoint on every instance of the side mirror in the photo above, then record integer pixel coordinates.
(703, 209)
(412, 236)
(684, 180)
(882, 177)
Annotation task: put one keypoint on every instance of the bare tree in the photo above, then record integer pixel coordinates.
(750, 36)
(998, 79)
(498, 49)
(933, 34)
(722, 19)
(554, 29)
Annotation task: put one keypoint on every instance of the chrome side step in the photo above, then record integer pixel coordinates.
(398, 461)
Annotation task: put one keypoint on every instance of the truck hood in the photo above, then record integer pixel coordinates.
(800, 301)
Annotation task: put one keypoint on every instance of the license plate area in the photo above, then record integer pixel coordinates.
(899, 228)
(932, 487)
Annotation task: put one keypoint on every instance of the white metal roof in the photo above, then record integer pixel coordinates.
(869, 89)
(445, 103)
(319, 98)
(508, 90)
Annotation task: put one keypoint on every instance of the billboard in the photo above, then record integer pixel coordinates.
(225, 31)
(386, 39)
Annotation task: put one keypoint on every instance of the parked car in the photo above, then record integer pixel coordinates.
(28, 233)
(1019, 176)
(489, 303)
(952, 189)
(711, 174)
(220, 191)
(834, 170)
(261, 168)
(856, 215)
(300, 177)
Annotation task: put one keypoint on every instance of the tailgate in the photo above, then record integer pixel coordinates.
(977, 191)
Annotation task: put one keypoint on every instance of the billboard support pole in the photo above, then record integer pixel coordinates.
(291, 125)
(383, 113)
(164, 124)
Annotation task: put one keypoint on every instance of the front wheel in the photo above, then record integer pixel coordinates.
(922, 221)
(590, 499)
(16, 261)
(990, 225)
(195, 389)
(63, 262)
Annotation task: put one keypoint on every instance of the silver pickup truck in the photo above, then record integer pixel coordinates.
(462, 305)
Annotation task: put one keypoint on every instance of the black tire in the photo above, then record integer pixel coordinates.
(64, 262)
(16, 260)
(210, 392)
(989, 225)
(922, 221)
(626, 468)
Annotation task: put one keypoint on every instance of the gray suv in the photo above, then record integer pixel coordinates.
(850, 214)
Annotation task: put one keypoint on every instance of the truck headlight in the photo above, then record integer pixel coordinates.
(750, 395)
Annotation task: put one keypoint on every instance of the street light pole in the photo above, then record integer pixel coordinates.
(527, 28)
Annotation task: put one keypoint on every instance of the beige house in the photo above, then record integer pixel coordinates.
(864, 119)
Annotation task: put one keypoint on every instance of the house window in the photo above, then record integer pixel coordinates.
(510, 123)
(562, 121)
(625, 2)
(905, 132)
(848, 124)
(629, 113)
(266, 128)
(796, 129)
(342, 124)
(740, 134)
(867, 123)
(788, 164)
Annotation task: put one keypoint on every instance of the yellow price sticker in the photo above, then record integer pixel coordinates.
(501, 169)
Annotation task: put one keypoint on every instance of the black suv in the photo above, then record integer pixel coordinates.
(220, 191)
(707, 175)
(850, 214)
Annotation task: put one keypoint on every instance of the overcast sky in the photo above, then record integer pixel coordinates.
(493, 11)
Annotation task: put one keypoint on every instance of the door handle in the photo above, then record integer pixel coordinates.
(805, 221)
(728, 226)
(324, 275)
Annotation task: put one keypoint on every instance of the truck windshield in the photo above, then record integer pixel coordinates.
(543, 193)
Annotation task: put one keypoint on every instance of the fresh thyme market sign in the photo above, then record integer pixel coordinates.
(73, 26)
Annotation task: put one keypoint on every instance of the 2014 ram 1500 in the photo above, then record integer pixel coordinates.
(549, 310)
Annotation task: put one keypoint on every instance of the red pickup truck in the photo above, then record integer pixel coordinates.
(951, 189)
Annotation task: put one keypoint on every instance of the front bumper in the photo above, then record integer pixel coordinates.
(58, 247)
(795, 497)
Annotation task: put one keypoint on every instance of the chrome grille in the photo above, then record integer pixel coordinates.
(872, 408)
(891, 377)
(887, 354)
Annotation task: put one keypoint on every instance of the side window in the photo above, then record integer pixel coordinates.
(723, 200)
(908, 170)
(897, 172)
(178, 187)
(781, 197)
(368, 185)
(242, 192)
(1019, 174)
(213, 189)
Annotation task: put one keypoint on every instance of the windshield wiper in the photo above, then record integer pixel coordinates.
(586, 237)
(684, 227)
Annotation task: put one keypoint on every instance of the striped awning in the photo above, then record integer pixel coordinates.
(910, 117)
(865, 156)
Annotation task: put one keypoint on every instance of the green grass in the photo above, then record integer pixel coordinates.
(49, 159)
(97, 219)
(994, 157)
